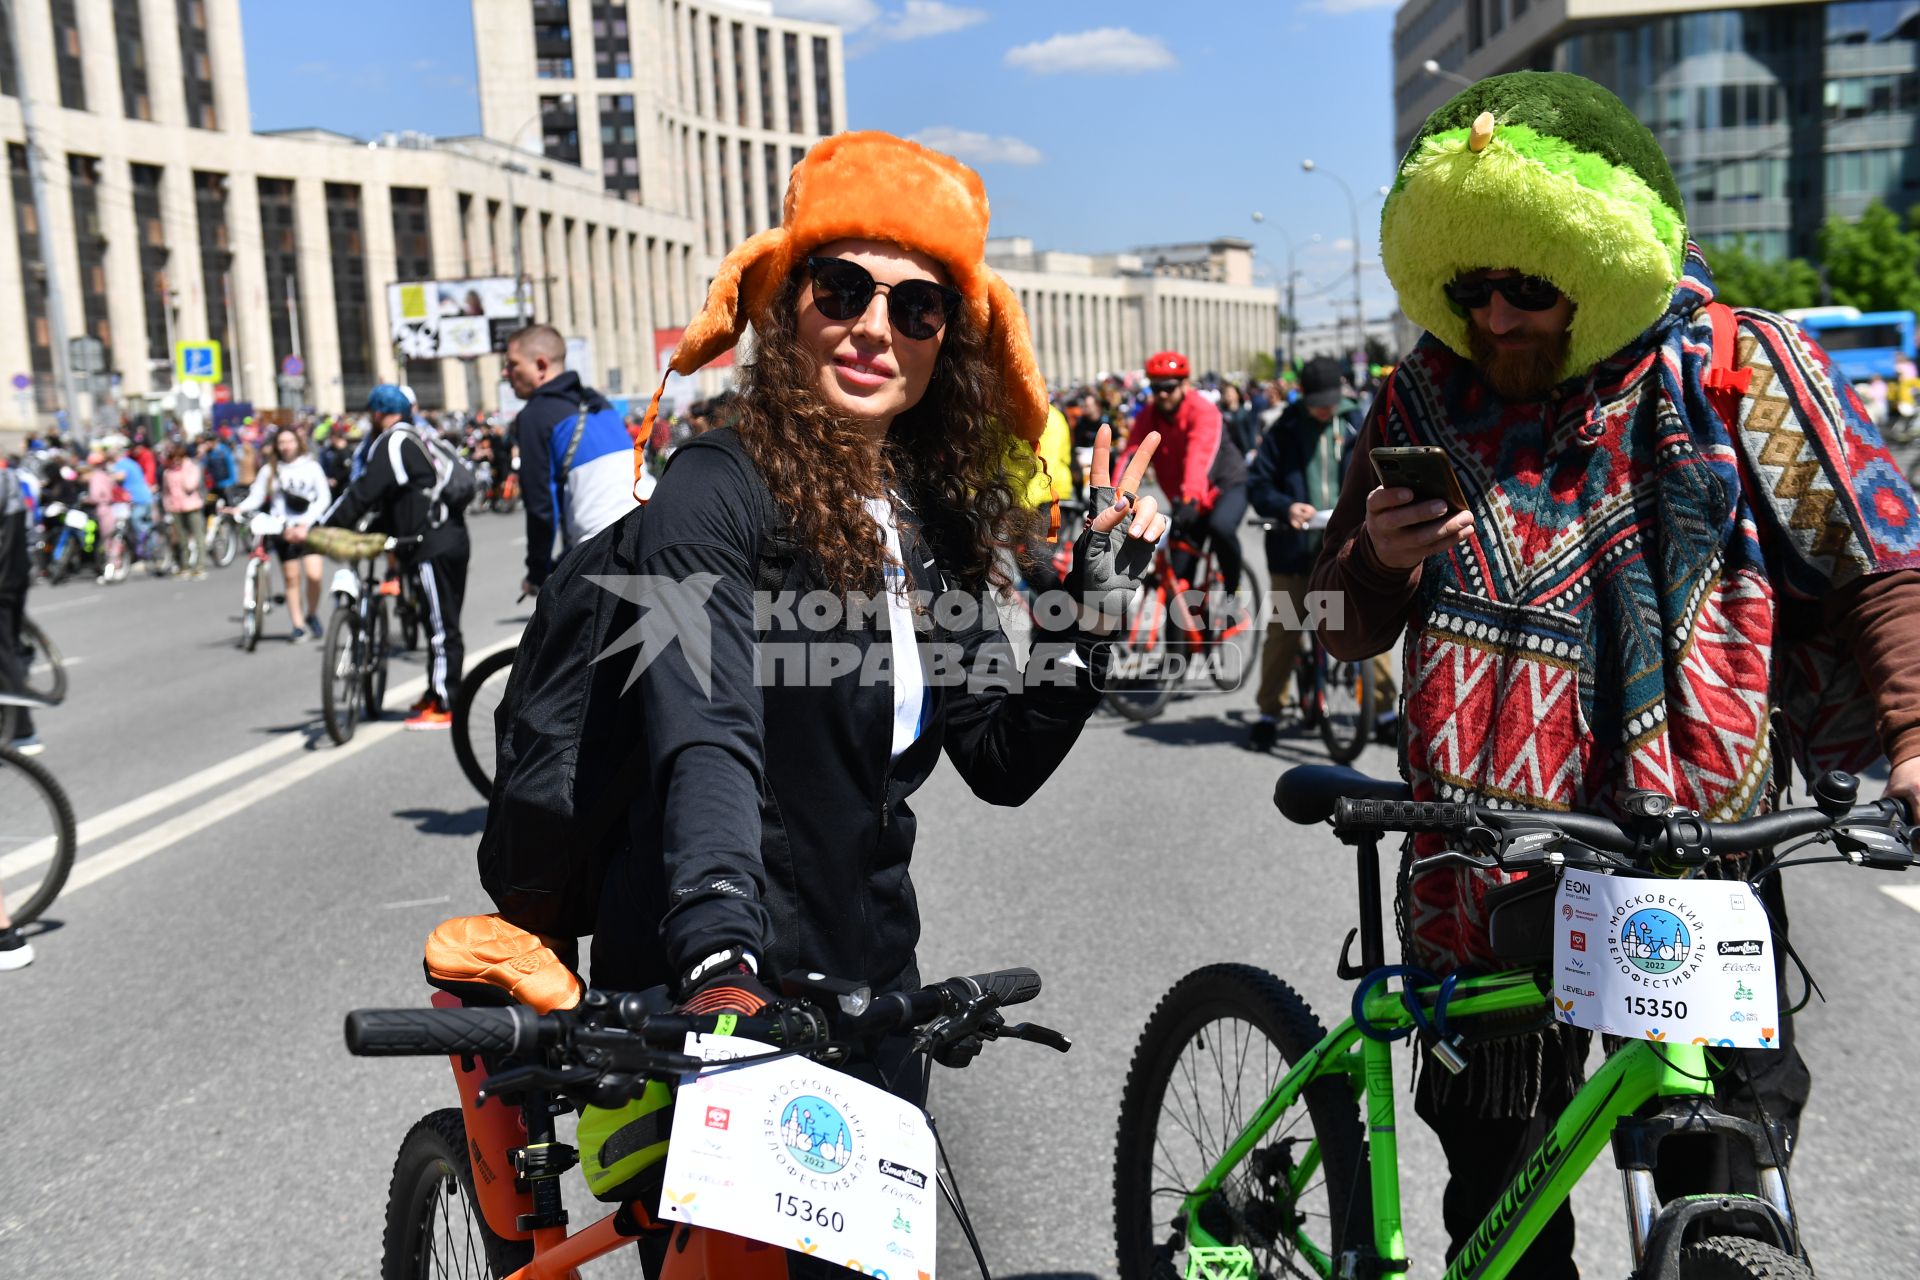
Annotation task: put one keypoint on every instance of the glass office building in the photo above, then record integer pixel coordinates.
(1772, 117)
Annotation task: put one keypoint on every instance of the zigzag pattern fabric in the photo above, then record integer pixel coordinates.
(1634, 601)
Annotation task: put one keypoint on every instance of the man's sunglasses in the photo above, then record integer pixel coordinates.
(1165, 388)
(1527, 293)
(843, 290)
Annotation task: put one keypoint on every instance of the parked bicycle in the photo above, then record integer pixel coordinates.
(1178, 627)
(70, 541)
(37, 833)
(130, 546)
(608, 1057)
(1240, 1143)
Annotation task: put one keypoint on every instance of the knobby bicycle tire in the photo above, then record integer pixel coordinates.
(1737, 1258)
(340, 688)
(431, 1207)
(1145, 640)
(28, 908)
(474, 742)
(1245, 1212)
(373, 659)
(53, 687)
(1345, 736)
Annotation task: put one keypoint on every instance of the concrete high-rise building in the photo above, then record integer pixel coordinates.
(701, 109)
(1773, 115)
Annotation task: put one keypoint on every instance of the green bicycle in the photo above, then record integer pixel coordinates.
(1241, 1151)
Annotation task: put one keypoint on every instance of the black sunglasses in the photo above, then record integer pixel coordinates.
(1528, 293)
(1164, 388)
(843, 290)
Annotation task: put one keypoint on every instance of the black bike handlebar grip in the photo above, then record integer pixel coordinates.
(391, 1033)
(1401, 815)
(1011, 986)
(1763, 831)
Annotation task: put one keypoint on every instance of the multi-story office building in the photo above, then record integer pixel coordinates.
(1093, 315)
(1773, 115)
(700, 109)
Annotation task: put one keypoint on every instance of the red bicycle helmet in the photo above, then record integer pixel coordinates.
(1168, 364)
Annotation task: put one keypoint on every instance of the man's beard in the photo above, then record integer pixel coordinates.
(1525, 373)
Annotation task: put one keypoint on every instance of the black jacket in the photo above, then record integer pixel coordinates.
(560, 397)
(395, 478)
(772, 816)
(1278, 479)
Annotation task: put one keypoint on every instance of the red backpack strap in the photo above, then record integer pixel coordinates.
(1725, 385)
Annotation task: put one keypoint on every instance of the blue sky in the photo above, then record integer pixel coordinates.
(1097, 124)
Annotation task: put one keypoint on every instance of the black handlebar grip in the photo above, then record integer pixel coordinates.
(393, 1033)
(1401, 815)
(1012, 986)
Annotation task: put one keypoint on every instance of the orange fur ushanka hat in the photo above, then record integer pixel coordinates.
(874, 186)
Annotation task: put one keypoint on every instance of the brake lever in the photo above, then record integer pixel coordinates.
(1034, 1033)
(521, 1079)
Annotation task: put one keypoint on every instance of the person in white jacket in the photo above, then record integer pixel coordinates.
(293, 487)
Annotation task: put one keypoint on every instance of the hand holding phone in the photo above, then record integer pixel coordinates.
(1418, 510)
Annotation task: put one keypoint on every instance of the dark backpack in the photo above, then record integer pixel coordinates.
(571, 747)
(454, 485)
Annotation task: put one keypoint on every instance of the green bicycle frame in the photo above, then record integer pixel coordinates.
(1626, 1081)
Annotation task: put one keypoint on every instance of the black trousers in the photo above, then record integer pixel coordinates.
(13, 674)
(443, 588)
(1223, 535)
(1485, 1154)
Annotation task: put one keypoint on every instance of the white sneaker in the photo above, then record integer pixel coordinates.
(29, 745)
(15, 951)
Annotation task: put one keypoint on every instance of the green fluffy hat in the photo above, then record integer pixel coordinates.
(1570, 186)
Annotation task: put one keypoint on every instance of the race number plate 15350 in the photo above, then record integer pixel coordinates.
(798, 1155)
(1678, 961)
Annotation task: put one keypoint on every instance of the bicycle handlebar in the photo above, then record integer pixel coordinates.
(401, 1033)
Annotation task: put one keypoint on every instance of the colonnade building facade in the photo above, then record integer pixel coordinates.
(1093, 315)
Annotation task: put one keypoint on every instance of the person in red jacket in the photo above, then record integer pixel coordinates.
(1200, 471)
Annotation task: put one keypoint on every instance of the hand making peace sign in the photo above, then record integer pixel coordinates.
(1107, 569)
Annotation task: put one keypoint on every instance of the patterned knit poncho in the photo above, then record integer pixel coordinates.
(1640, 593)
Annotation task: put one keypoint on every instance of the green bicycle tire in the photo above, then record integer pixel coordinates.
(1737, 1258)
(1143, 1200)
(431, 1208)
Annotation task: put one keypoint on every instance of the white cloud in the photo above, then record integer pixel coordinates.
(848, 14)
(922, 18)
(1106, 49)
(978, 148)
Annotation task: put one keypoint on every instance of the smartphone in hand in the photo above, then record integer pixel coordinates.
(1422, 468)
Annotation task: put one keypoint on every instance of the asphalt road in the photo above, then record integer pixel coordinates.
(177, 1100)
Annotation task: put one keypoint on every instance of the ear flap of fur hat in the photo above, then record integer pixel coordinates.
(743, 287)
(1012, 348)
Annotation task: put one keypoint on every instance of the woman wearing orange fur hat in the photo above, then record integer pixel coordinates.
(889, 375)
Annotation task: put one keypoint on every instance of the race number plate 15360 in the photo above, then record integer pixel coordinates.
(798, 1155)
(1679, 961)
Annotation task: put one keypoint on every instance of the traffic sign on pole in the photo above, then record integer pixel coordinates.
(196, 361)
(21, 382)
(293, 366)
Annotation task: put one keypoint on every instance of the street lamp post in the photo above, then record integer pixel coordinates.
(1353, 211)
(1293, 275)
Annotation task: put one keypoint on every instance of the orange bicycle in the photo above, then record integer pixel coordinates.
(1179, 627)
(476, 1190)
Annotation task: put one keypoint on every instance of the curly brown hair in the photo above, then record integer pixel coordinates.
(950, 456)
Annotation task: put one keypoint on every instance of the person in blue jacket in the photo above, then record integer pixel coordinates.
(576, 458)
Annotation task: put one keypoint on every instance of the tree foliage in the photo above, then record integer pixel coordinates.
(1874, 263)
(1744, 279)
(1261, 367)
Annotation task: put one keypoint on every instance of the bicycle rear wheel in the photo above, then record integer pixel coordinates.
(374, 661)
(340, 678)
(434, 1224)
(1208, 1059)
(37, 839)
(475, 744)
(40, 658)
(223, 544)
(1143, 676)
(1345, 702)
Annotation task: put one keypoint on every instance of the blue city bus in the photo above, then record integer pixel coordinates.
(1863, 344)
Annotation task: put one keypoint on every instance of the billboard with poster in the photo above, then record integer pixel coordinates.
(435, 319)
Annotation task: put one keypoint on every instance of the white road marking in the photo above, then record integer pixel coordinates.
(417, 902)
(1905, 894)
(164, 798)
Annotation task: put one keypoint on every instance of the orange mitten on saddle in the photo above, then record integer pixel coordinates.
(486, 951)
